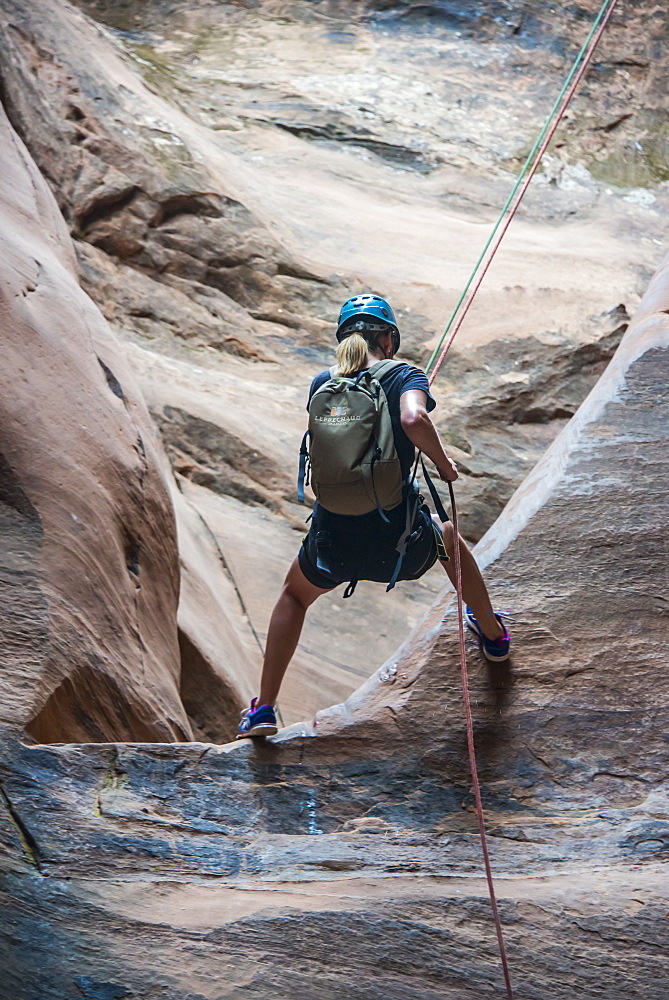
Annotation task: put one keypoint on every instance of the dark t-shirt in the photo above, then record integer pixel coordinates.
(397, 381)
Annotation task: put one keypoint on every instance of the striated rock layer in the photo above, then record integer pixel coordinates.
(230, 172)
(93, 645)
(89, 561)
(342, 858)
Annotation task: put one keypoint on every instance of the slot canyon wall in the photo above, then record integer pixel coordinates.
(90, 561)
(153, 283)
(229, 173)
(343, 857)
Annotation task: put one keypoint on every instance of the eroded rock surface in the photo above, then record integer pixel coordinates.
(342, 857)
(231, 172)
(90, 571)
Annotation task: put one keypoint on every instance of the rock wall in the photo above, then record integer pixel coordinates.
(90, 569)
(342, 857)
(230, 173)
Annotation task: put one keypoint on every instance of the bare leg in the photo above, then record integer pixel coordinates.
(474, 590)
(285, 628)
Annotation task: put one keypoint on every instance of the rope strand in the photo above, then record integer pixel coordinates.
(514, 201)
(519, 197)
(472, 750)
(519, 178)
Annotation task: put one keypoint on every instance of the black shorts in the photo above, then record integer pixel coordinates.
(362, 549)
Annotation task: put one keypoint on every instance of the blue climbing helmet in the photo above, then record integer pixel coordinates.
(368, 307)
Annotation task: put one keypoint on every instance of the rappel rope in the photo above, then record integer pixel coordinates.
(478, 273)
(516, 196)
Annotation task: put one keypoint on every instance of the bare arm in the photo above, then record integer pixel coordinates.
(422, 433)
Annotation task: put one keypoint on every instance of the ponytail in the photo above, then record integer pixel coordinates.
(352, 354)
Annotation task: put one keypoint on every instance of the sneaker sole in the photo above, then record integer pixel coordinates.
(495, 659)
(488, 656)
(262, 729)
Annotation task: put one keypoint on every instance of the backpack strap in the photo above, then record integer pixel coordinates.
(377, 371)
(382, 368)
(412, 502)
(375, 456)
(303, 474)
(439, 507)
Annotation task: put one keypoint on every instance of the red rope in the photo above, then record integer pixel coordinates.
(456, 547)
(472, 750)
(519, 196)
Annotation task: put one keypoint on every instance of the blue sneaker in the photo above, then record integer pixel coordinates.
(260, 721)
(495, 650)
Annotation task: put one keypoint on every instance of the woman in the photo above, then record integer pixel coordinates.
(365, 546)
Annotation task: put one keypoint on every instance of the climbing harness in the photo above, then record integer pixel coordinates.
(455, 322)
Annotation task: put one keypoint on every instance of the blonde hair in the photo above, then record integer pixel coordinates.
(352, 354)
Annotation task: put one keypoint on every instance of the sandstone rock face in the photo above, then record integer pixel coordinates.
(342, 857)
(230, 172)
(90, 572)
(219, 657)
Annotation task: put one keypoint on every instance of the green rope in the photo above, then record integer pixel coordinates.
(519, 179)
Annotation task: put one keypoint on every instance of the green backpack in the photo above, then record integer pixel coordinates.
(351, 461)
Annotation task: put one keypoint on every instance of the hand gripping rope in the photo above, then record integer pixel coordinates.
(475, 279)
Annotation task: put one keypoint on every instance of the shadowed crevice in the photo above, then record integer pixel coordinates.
(105, 207)
(13, 495)
(90, 706)
(210, 701)
(28, 842)
(112, 381)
